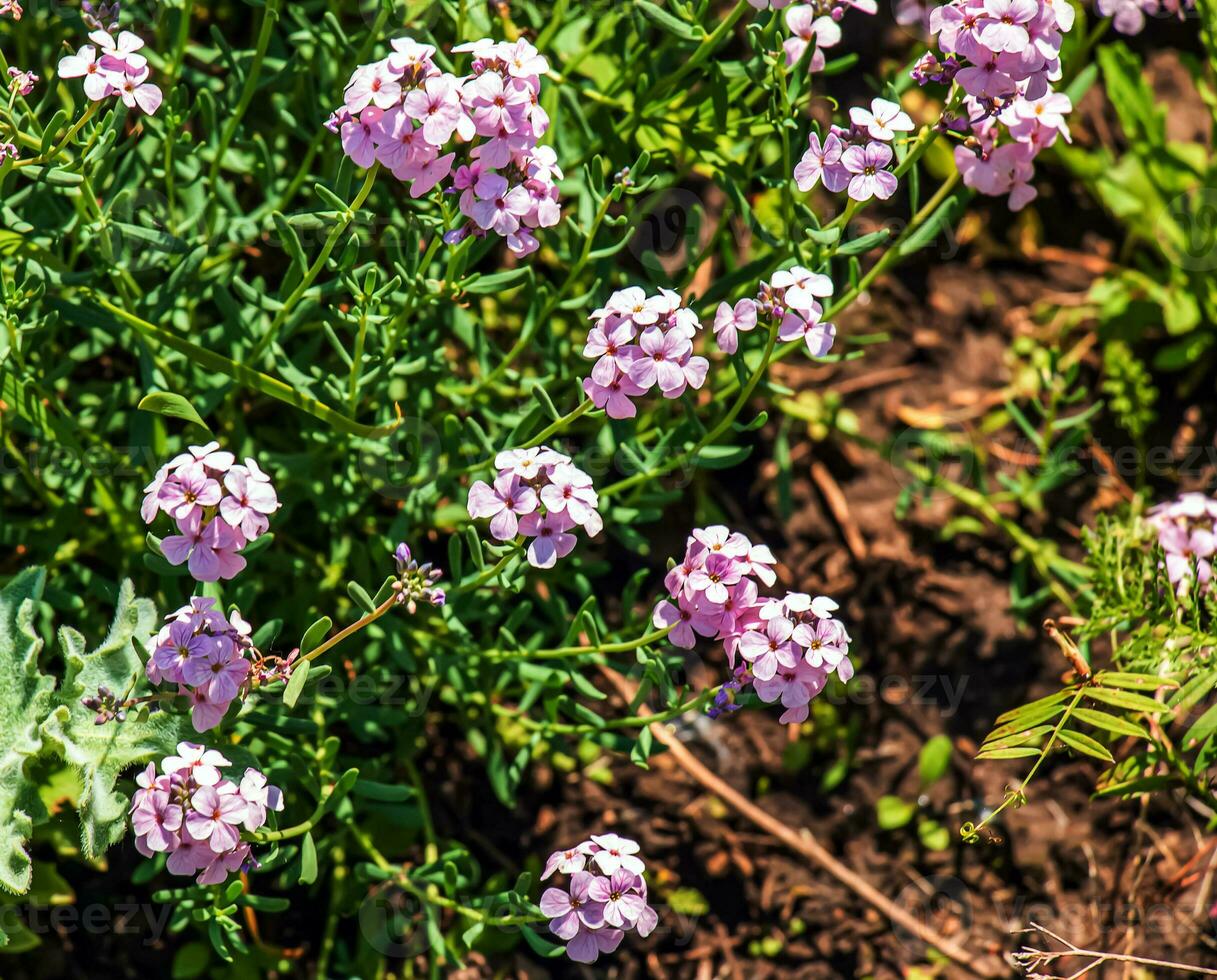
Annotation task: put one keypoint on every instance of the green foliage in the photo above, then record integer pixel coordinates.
(1129, 388)
(100, 753)
(25, 700)
(1160, 190)
(46, 719)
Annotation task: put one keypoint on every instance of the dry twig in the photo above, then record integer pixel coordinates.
(803, 842)
(1034, 961)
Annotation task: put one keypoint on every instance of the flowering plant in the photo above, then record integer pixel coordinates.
(355, 356)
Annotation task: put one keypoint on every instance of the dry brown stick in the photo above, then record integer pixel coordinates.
(804, 842)
(835, 498)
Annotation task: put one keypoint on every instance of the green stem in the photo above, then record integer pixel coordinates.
(430, 894)
(247, 376)
(710, 436)
(486, 576)
(331, 242)
(357, 358)
(1020, 793)
(59, 147)
(351, 630)
(269, 18)
(551, 305)
(614, 724)
(709, 44)
(555, 653)
(329, 797)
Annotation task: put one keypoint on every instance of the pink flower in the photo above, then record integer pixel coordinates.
(179, 647)
(550, 538)
(713, 578)
(613, 345)
(568, 910)
(621, 903)
(157, 821)
(770, 649)
(616, 852)
(138, 93)
(801, 287)
(794, 687)
(205, 711)
(1003, 27)
(372, 85)
(615, 396)
(497, 207)
(214, 818)
(86, 63)
(425, 177)
(221, 670)
(249, 502)
(729, 320)
(211, 548)
(569, 861)
(570, 491)
(523, 60)
(188, 492)
(681, 621)
(21, 82)
(806, 324)
(870, 179)
(210, 457)
(120, 55)
(819, 161)
(658, 361)
(200, 764)
(437, 105)
(358, 136)
(222, 865)
(504, 504)
(259, 797)
(588, 944)
(883, 120)
(534, 463)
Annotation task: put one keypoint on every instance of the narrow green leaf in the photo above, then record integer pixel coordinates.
(172, 406)
(1126, 699)
(295, 683)
(315, 634)
(1084, 744)
(308, 860)
(1110, 723)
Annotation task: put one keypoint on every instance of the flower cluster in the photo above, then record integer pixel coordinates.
(855, 159)
(1128, 16)
(641, 342)
(606, 896)
(1003, 54)
(540, 494)
(403, 111)
(21, 82)
(12, 8)
(194, 815)
(1187, 533)
(791, 301)
(816, 25)
(792, 646)
(219, 507)
(789, 646)
(113, 66)
(416, 583)
(204, 653)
